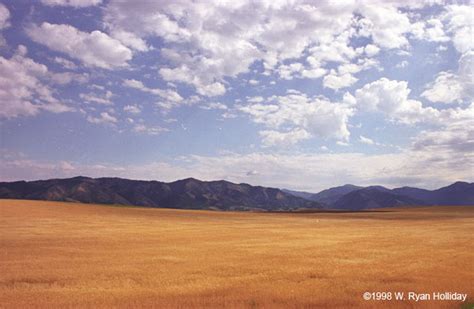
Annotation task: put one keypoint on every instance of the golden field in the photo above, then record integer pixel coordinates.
(76, 255)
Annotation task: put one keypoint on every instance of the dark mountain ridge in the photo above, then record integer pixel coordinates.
(352, 197)
(192, 193)
(187, 193)
(331, 195)
(373, 197)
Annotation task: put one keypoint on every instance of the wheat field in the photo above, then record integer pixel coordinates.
(63, 255)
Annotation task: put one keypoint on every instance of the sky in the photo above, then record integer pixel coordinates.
(303, 95)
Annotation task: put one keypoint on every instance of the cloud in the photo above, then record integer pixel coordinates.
(432, 30)
(4, 17)
(23, 87)
(343, 77)
(132, 109)
(94, 49)
(186, 75)
(449, 87)
(333, 49)
(401, 64)
(287, 71)
(142, 128)
(298, 70)
(446, 88)
(309, 172)
(366, 140)
(336, 81)
(457, 139)
(206, 43)
(24, 168)
(283, 139)
(385, 24)
(204, 49)
(341, 143)
(214, 106)
(103, 99)
(66, 166)
(67, 64)
(460, 25)
(371, 50)
(73, 3)
(450, 146)
(130, 40)
(313, 73)
(104, 118)
(256, 99)
(252, 173)
(390, 97)
(296, 116)
(4, 22)
(171, 97)
(213, 41)
(65, 78)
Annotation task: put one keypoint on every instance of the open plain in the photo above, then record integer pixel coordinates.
(63, 255)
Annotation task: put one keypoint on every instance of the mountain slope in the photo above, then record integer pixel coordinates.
(352, 197)
(302, 194)
(458, 193)
(373, 198)
(416, 193)
(195, 194)
(187, 193)
(331, 195)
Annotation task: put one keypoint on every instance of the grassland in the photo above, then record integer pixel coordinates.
(74, 255)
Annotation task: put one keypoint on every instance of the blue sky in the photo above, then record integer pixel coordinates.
(275, 93)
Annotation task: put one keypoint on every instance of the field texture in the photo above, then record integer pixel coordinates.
(74, 255)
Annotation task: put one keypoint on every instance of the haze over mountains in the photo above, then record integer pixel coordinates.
(223, 195)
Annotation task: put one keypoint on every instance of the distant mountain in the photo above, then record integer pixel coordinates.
(191, 193)
(187, 193)
(302, 194)
(415, 193)
(459, 193)
(373, 197)
(330, 196)
(350, 197)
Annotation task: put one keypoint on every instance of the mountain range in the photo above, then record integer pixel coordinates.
(191, 193)
(187, 193)
(351, 197)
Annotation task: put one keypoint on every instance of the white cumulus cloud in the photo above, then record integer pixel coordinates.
(296, 116)
(391, 98)
(94, 49)
(23, 87)
(460, 24)
(450, 87)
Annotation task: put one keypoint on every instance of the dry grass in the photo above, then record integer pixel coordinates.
(73, 255)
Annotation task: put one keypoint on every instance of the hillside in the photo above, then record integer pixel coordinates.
(186, 194)
(369, 198)
(331, 195)
(192, 193)
(350, 197)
